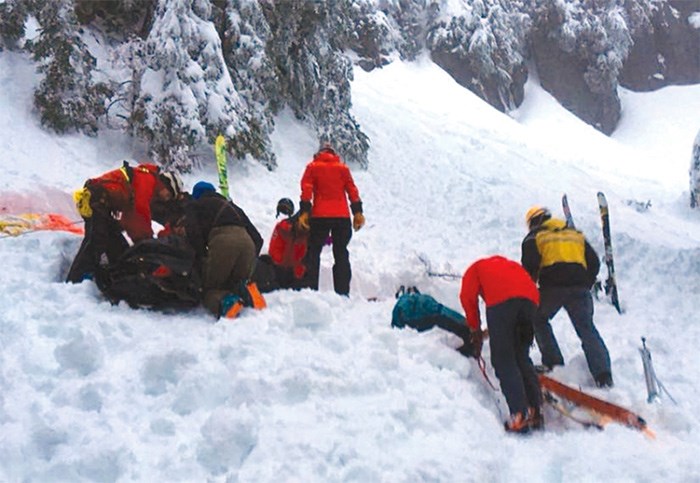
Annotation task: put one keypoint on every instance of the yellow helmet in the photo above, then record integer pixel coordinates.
(537, 214)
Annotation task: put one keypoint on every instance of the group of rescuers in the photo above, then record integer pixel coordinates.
(558, 266)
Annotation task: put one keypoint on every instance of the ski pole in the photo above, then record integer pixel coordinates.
(649, 376)
(654, 385)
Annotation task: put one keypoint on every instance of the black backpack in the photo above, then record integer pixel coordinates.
(155, 273)
(265, 275)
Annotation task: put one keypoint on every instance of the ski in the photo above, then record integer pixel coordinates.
(220, 153)
(567, 211)
(608, 411)
(559, 406)
(611, 282)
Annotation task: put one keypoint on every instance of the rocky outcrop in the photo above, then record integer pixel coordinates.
(666, 49)
(562, 75)
(568, 68)
(505, 93)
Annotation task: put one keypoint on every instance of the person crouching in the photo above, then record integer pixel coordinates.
(227, 245)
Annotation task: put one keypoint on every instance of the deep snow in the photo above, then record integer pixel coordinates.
(319, 387)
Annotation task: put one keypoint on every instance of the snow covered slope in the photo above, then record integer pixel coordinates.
(319, 387)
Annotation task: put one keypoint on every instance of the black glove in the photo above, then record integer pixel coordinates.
(477, 339)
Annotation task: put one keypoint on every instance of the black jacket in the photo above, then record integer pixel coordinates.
(561, 273)
(212, 210)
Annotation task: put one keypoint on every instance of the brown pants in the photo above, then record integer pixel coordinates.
(230, 261)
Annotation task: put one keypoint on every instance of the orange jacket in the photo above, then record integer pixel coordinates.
(327, 180)
(496, 279)
(128, 191)
(287, 248)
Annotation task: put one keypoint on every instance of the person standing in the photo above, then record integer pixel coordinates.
(511, 299)
(227, 246)
(119, 200)
(326, 186)
(565, 265)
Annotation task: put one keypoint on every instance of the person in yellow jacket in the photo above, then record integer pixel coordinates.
(563, 263)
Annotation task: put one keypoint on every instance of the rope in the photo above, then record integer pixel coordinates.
(482, 367)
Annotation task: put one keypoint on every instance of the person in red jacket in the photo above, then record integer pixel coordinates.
(511, 299)
(326, 187)
(288, 247)
(119, 200)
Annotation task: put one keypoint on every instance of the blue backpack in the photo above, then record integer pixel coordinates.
(422, 312)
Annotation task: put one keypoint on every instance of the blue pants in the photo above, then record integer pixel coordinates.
(510, 337)
(578, 303)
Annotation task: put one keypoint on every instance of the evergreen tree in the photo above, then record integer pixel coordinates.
(244, 34)
(314, 78)
(68, 97)
(364, 28)
(185, 94)
(13, 15)
(490, 37)
(119, 18)
(410, 17)
(595, 30)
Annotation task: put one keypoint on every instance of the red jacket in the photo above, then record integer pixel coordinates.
(327, 180)
(288, 248)
(496, 279)
(129, 192)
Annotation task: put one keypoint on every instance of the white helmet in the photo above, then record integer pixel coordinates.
(173, 182)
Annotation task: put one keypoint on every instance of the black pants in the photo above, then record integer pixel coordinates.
(341, 231)
(510, 336)
(103, 235)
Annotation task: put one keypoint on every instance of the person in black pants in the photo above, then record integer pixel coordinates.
(326, 187)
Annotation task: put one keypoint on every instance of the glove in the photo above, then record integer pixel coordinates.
(358, 221)
(303, 222)
(477, 339)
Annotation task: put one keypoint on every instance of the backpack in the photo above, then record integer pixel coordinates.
(155, 273)
(265, 275)
(422, 312)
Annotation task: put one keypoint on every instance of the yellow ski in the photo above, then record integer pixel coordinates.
(220, 152)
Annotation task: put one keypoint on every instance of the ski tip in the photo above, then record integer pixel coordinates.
(649, 433)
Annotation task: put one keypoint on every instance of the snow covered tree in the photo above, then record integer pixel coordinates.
(483, 46)
(411, 18)
(362, 27)
(695, 173)
(244, 35)
(13, 15)
(185, 93)
(314, 78)
(579, 47)
(120, 18)
(68, 97)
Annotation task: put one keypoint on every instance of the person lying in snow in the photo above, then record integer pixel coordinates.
(422, 312)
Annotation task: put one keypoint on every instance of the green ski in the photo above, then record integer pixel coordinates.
(220, 152)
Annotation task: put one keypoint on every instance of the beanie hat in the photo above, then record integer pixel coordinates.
(200, 188)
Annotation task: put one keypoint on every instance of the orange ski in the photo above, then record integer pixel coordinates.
(607, 410)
